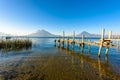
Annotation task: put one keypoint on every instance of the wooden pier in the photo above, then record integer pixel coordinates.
(103, 42)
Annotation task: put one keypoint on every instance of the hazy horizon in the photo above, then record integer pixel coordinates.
(27, 16)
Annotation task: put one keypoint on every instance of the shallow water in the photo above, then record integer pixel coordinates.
(44, 61)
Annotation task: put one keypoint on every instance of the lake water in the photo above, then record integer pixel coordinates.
(44, 61)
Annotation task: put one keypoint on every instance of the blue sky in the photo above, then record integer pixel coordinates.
(27, 16)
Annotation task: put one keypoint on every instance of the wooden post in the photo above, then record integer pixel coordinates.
(82, 43)
(67, 43)
(103, 33)
(110, 35)
(101, 42)
(59, 42)
(100, 48)
(63, 39)
(82, 38)
(79, 44)
(73, 42)
(106, 52)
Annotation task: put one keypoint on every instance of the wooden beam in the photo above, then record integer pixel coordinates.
(103, 33)
(110, 35)
(82, 38)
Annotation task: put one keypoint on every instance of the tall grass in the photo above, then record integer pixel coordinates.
(15, 44)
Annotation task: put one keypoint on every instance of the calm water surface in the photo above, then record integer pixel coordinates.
(44, 61)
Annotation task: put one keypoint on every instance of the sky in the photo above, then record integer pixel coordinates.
(28, 16)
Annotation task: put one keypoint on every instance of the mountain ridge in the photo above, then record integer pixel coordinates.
(42, 33)
(87, 34)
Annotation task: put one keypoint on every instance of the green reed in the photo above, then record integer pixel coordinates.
(15, 44)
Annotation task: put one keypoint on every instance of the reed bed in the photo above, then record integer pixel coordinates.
(15, 44)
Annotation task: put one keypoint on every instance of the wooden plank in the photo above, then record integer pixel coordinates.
(113, 39)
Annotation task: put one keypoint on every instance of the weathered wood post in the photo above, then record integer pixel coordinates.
(101, 42)
(110, 35)
(103, 33)
(82, 38)
(106, 52)
(67, 43)
(73, 42)
(63, 39)
(100, 48)
(82, 43)
(59, 42)
(108, 43)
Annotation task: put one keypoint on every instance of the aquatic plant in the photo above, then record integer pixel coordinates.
(15, 44)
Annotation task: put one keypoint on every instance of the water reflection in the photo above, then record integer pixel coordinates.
(39, 43)
(99, 67)
(12, 54)
(45, 62)
(103, 68)
(7, 50)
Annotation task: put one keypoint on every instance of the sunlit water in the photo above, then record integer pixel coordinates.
(44, 61)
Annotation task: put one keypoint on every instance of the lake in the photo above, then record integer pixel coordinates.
(44, 61)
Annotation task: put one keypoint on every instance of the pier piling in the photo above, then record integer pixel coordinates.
(67, 43)
(63, 39)
(107, 43)
(110, 35)
(73, 42)
(106, 52)
(59, 42)
(79, 45)
(101, 42)
(82, 43)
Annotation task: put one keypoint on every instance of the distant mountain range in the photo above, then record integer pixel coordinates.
(87, 34)
(44, 33)
(38, 33)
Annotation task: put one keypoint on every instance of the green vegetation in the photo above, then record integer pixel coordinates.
(15, 44)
